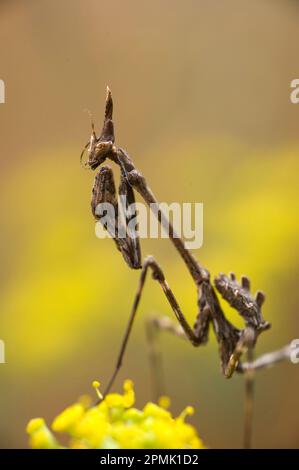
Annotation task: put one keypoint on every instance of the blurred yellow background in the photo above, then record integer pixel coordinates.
(201, 94)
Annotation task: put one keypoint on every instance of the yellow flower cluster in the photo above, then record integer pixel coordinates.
(115, 424)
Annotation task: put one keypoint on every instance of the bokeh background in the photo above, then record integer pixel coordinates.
(201, 91)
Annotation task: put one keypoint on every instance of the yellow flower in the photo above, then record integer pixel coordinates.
(164, 402)
(155, 411)
(68, 418)
(40, 435)
(115, 424)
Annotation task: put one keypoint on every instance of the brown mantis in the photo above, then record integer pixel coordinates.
(232, 342)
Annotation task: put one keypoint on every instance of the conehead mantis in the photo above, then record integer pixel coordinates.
(233, 342)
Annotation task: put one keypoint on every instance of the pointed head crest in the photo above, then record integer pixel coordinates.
(98, 148)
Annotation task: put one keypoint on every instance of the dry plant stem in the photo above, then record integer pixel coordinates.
(154, 325)
(249, 368)
(268, 359)
(155, 360)
(249, 401)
